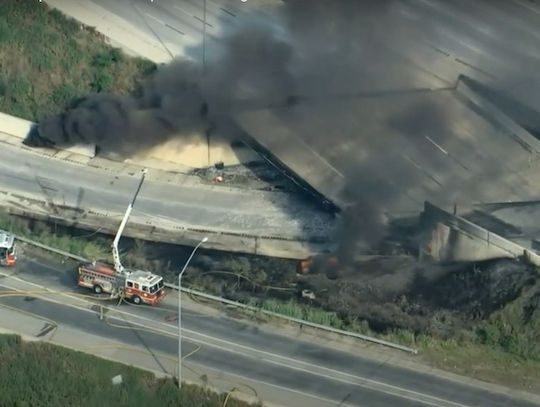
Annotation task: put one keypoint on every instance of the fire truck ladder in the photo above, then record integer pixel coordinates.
(116, 255)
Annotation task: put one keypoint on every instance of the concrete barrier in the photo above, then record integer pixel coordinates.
(20, 128)
(450, 238)
(522, 136)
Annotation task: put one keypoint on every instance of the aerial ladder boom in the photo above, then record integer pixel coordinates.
(116, 255)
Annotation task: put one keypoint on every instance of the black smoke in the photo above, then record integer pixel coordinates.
(178, 100)
(322, 50)
(168, 102)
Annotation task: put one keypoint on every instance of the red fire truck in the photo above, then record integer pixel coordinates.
(8, 256)
(136, 285)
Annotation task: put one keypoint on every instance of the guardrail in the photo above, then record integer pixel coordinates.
(296, 320)
(242, 306)
(50, 249)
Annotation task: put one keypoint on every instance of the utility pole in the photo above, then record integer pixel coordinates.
(204, 75)
(204, 38)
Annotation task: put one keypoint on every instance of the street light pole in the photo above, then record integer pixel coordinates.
(204, 239)
(204, 38)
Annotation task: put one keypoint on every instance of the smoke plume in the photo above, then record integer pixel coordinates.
(177, 100)
(323, 51)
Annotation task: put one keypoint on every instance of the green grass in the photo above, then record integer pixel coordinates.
(293, 309)
(47, 60)
(39, 374)
(37, 231)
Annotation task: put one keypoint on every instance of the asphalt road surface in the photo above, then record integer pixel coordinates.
(178, 25)
(325, 375)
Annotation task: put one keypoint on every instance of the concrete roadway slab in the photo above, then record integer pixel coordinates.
(393, 147)
(165, 29)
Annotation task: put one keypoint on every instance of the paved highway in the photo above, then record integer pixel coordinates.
(302, 370)
(433, 40)
(167, 29)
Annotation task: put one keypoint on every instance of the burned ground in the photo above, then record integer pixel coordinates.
(392, 293)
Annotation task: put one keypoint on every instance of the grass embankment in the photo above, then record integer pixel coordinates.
(39, 374)
(47, 60)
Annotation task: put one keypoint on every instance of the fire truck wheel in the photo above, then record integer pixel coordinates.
(136, 300)
(98, 289)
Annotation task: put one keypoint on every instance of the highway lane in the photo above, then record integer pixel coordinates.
(190, 205)
(260, 352)
(176, 27)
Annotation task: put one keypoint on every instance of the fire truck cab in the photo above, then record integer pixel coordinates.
(144, 286)
(8, 256)
(137, 286)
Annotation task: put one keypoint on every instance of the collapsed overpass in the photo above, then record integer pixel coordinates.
(450, 147)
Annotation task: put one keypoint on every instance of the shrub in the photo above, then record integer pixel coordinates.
(102, 81)
(5, 32)
(63, 94)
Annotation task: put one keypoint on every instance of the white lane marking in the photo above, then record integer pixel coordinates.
(199, 19)
(196, 341)
(352, 379)
(187, 337)
(436, 145)
(155, 18)
(373, 384)
(165, 24)
(183, 11)
(527, 6)
(277, 386)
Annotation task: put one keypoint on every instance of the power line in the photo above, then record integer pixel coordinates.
(150, 28)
